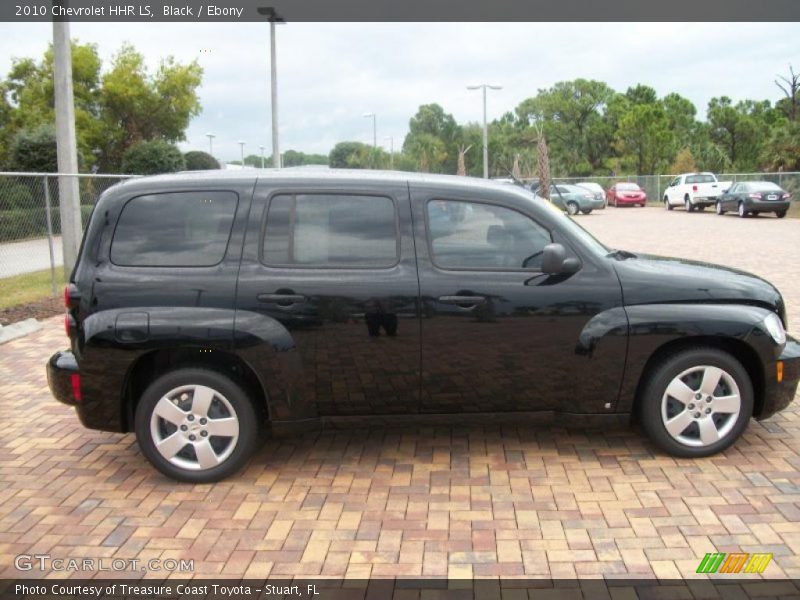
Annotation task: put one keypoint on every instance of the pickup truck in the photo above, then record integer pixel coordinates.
(694, 191)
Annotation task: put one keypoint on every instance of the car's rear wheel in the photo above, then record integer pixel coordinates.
(780, 214)
(720, 210)
(740, 210)
(688, 204)
(696, 402)
(196, 425)
(587, 211)
(572, 208)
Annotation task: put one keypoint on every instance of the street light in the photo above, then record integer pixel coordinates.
(273, 17)
(374, 135)
(484, 86)
(241, 147)
(391, 151)
(262, 156)
(211, 137)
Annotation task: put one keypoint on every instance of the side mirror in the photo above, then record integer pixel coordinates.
(555, 260)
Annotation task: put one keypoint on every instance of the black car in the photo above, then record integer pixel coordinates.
(754, 197)
(206, 306)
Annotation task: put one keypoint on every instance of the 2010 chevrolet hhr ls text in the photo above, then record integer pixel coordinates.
(206, 306)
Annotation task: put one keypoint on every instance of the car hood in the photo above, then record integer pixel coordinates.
(649, 279)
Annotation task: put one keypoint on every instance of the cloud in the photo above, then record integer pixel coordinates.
(330, 74)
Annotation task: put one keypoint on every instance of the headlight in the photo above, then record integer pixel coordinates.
(773, 325)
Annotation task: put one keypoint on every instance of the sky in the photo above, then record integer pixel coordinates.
(331, 74)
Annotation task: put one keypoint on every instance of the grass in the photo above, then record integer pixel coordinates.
(30, 287)
(794, 210)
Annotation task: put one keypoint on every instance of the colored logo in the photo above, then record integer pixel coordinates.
(735, 562)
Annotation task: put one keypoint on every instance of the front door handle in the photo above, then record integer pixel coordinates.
(281, 299)
(463, 301)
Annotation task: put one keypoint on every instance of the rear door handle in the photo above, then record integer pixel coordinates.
(463, 301)
(281, 299)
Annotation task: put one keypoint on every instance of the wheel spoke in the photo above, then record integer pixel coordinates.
(168, 411)
(708, 431)
(727, 404)
(227, 427)
(711, 378)
(170, 446)
(676, 425)
(201, 400)
(680, 391)
(206, 457)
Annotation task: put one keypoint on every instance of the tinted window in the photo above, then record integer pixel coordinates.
(700, 179)
(183, 229)
(473, 235)
(330, 231)
(765, 186)
(628, 187)
(734, 188)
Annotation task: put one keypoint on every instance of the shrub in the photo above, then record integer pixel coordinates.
(152, 157)
(200, 161)
(35, 150)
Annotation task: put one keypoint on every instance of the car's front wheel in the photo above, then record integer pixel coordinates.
(196, 425)
(696, 402)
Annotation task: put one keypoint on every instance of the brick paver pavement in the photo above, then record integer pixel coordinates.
(456, 501)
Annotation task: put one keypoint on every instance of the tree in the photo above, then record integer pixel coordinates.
(428, 150)
(152, 157)
(791, 88)
(684, 162)
(139, 106)
(543, 166)
(197, 160)
(35, 150)
(644, 137)
(433, 136)
(349, 155)
(782, 150)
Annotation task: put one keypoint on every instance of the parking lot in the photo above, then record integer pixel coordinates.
(458, 501)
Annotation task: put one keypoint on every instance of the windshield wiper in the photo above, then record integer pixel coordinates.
(621, 254)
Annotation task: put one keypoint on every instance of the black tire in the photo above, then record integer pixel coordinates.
(587, 211)
(249, 423)
(668, 369)
(572, 208)
(688, 204)
(667, 204)
(701, 208)
(741, 211)
(780, 214)
(719, 209)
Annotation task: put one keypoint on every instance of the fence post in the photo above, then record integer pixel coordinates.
(658, 189)
(50, 236)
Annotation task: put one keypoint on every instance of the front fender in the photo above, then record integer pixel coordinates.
(653, 326)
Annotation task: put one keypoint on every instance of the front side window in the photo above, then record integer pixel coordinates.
(471, 235)
(330, 230)
(178, 229)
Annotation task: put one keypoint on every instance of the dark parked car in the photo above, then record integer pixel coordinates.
(626, 194)
(206, 306)
(754, 197)
(573, 198)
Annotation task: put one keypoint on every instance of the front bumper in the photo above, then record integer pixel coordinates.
(759, 207)
(631, 201)
(60, 370)
(779, 394)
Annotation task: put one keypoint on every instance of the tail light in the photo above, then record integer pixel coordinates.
(71, 296)
(787, 196)
(75, 380)
(69, 324)
(755, 196)
(694, 188)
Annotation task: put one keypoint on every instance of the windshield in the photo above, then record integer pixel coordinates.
(763, 186)
(628, 187)
(569, 226)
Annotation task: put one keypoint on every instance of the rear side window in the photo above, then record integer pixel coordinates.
(179, 229)
(330, 230)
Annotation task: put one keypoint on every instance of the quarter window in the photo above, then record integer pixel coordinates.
(180, 229)
(330, 230)
(471, 235)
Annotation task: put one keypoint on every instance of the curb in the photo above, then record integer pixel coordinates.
(18, 329)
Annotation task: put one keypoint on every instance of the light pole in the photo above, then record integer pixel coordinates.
(391, 151)
(274, 18)
(241, 147)
(211, 137)
(374, 135)
(485, 86)
(262, 156)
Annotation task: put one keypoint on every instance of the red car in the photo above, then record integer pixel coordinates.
(626, 194)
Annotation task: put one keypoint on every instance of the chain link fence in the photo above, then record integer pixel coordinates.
(30, 227)
(655, 185)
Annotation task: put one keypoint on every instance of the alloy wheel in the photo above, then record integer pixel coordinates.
(194, 427)
(701, 406)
